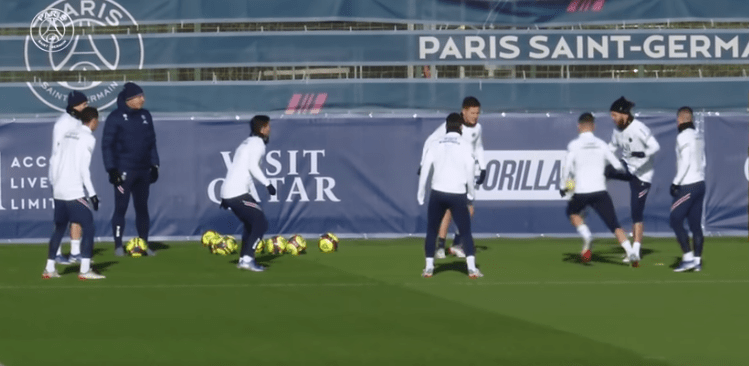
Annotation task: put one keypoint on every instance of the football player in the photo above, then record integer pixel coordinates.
(451, 157)
(638, 147)
(585, 162)
(69, 178)
(688, 191)
(235, 192)
(472, 133)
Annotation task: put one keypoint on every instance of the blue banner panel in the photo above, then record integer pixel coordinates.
(337, 48)
(727, 171)
(356, 176)
(465, 12)
(314, 97)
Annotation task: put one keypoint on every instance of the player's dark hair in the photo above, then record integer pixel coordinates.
(469, 102)
(586, 117)
(256, 124)
(454, 121)
(88, 114)
(685, 109)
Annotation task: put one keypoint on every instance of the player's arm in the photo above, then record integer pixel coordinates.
(85, 150)
(154, 151)
(470, 161)
(611, 158)
(649, 142)
(56, 142)
(57, 135)
(478, 150)
(568, 166)
(426, 169)
(684, 159)
(256, 150)
(108, 141)
(651, 146)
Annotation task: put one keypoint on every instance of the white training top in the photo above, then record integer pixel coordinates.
(636, 137)
(690, 157)
(585, 162)
(71, 165)
(245, 167)
(472, 134)
(452, 160)
(64, 123)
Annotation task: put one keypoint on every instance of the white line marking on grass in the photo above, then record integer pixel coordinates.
(367, 284)
(573, 283)
(189, 285)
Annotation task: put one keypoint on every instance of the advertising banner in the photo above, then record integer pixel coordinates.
(378, 48)
(356, 176)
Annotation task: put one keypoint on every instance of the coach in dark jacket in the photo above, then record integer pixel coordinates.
(130, 157)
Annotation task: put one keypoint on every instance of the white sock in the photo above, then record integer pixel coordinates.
(698, 260)
(50, 265)
(587, 236)
(688, 257)
(636, 248)
(430, 262)
(627, 247)
(85, 265)
(59, 250)
(246, 259)
(471, 262)
(75, 247)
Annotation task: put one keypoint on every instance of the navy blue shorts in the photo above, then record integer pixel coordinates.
(638, 194)
(600, 202)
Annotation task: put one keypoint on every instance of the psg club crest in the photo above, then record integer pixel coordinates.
(58, 41)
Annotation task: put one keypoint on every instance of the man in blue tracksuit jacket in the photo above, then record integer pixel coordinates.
(130, 157)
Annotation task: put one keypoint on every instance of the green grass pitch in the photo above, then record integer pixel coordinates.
(367, 305)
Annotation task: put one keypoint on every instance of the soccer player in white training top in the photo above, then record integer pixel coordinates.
(71, 184)
(69, 120)
(472, 133)
(451, 158)
(638, 147)
(239, 182)
(688, 191)
(586, 159)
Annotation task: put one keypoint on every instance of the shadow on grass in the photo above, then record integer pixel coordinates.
(675, 263)
(595, 258)
(607, 255)
(481, 248)
(157, 245)
(98, 267)
(456, 265)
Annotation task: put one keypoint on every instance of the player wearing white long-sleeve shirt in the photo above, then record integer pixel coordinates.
(238, 186)
(472, 133)
(688, 191)
(77, 101)
(452, 160)
(71, 185)
(584, 164)
(638, 147)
